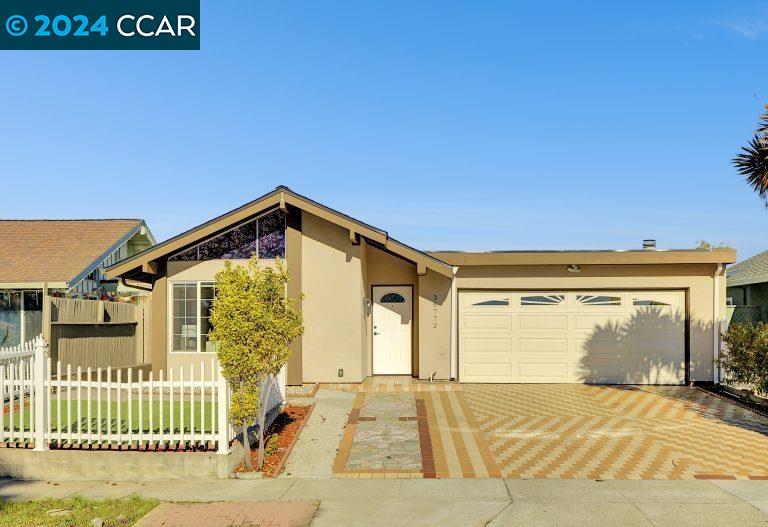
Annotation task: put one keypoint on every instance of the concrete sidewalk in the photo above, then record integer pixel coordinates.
(464, 502)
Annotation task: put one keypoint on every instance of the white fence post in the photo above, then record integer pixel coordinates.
(41, 412)
(222, 409)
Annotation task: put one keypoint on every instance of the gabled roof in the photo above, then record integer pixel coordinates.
(58, 251)
(280, 197)
(751, 271)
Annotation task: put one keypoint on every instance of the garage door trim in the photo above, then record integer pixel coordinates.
(686, 324)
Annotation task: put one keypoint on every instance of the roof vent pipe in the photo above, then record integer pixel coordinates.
(649, 244)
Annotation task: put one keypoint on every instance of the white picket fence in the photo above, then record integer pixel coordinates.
(14, 354)
(17, 392)
(66, 407)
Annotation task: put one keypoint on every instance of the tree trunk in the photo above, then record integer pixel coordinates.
(247, 448)
(262, 420)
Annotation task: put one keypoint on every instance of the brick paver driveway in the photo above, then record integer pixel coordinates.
(617, 432)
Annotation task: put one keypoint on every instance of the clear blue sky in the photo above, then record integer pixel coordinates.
(475, 125)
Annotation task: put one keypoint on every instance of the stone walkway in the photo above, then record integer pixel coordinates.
(386, 435)
(412, 435)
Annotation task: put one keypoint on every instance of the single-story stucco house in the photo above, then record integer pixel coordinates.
(375, 306)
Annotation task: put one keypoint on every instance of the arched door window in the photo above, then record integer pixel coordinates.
(392, 298)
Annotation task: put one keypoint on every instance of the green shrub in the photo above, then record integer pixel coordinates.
(271, 446)
(745, 360)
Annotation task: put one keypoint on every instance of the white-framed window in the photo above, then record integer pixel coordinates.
(190, 313)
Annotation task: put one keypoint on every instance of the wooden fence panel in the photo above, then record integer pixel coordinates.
(74, 310)
(97, 334)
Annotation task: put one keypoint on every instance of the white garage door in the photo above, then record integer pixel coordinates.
(625, 337)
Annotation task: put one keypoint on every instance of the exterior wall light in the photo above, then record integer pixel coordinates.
(574, 268)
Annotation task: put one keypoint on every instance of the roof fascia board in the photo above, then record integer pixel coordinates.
(335, 217)
(748, 280)
(93, 265)
(191, 236)
(587, 257)
(33, 285)
(421, 259)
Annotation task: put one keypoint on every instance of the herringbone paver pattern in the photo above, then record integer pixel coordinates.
(615, 432)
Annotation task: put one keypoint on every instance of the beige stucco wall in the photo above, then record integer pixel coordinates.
(383, 268)
(332, 281)
(434, 301)
(697, 279)
(159, 323)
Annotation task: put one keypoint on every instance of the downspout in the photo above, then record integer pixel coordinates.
(454, 325)
(716, 323)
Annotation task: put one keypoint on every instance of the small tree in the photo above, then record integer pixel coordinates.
(745, 361)
(253, 324)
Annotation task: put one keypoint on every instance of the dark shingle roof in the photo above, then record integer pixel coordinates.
(751, 271)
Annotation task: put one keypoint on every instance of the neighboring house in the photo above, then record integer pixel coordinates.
(748, 288)
(375, 306)
(60, 257)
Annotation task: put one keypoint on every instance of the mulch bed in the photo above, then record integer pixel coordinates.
(719, 391)
(287, 426)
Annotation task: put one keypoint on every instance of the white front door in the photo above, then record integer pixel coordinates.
(392, 321)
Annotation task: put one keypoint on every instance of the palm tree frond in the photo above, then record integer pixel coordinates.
(752, 163)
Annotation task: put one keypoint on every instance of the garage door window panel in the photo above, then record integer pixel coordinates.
(493, 302)
(543, 300)
(598, 300)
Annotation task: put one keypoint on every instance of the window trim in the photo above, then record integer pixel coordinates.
(198, 284)
(255, 218)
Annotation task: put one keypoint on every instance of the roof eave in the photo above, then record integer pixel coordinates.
(588, 257)
(747, 280)
(94, 264)
(53, 284)
(278, 197)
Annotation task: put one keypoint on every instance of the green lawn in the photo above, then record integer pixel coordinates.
(71, 418)
(76, 511)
